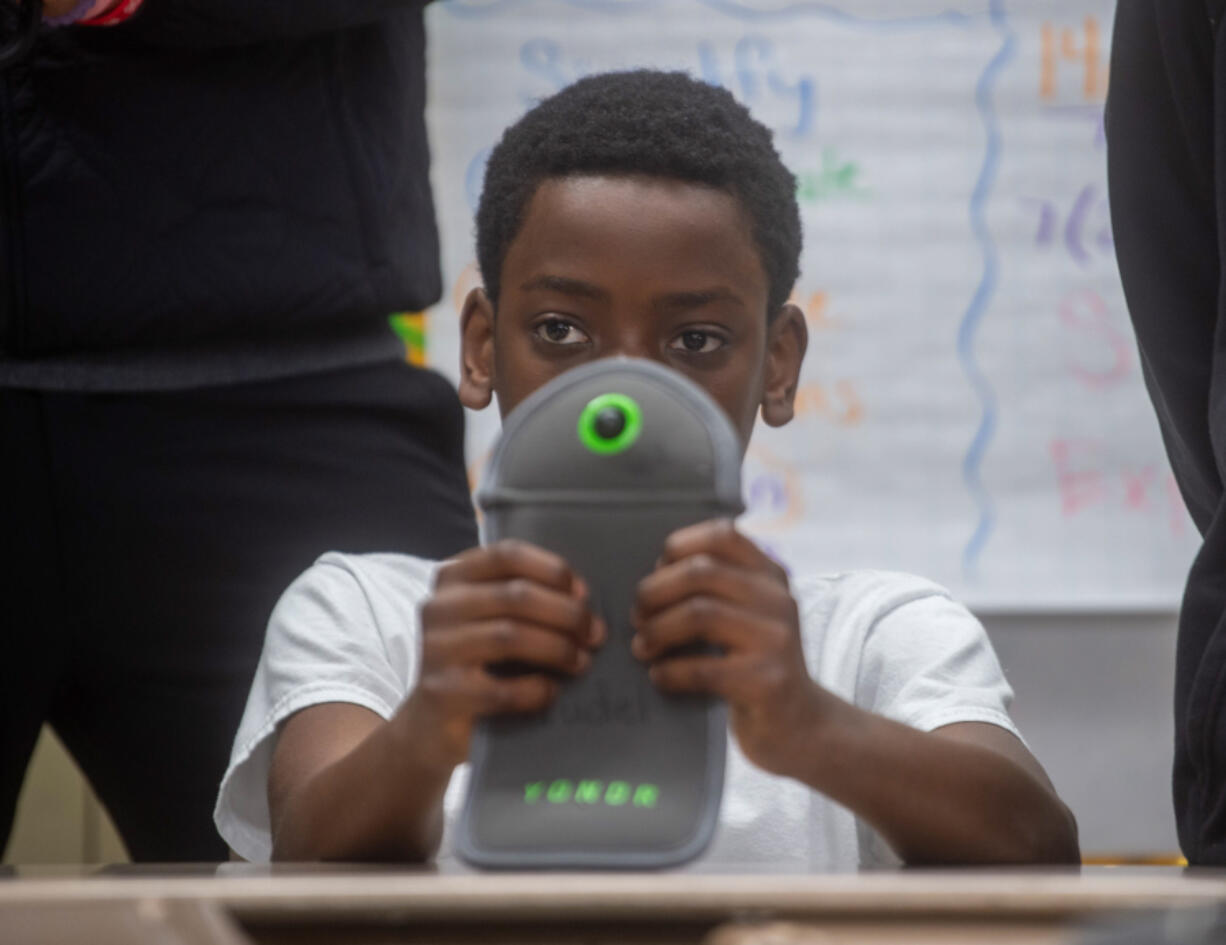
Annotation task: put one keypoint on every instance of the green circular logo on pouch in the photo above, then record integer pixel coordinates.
(610, 423)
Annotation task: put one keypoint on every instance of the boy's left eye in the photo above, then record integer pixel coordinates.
(560, 332)
(697, 341)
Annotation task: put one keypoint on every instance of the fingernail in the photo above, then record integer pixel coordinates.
(596, 635)
(583, 660)
(638, 646)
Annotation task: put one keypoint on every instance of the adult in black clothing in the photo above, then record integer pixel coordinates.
(1166, 134)
(206, 215)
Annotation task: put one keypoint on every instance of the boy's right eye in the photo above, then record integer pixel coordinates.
(559, 331)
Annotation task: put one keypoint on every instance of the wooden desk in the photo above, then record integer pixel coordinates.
(236, 905)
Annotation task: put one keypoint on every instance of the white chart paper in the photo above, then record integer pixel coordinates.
(972, 408)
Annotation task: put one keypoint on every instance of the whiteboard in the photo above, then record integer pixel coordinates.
(971, 406)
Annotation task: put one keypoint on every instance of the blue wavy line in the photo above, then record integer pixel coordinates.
(746, 11)
(737, 10)
(623, 7)
(975, 311)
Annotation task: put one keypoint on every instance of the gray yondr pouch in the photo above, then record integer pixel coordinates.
(600, 466)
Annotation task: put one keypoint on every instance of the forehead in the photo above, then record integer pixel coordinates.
(641, 228)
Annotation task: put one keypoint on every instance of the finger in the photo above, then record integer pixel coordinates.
(501, 640)
(701, 619)
(508, 559)
(720, 539)
(460, 693)
(704, 574)
(501, 695)
(516, 599)
(711, 675)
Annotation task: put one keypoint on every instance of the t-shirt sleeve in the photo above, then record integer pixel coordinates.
(926, 661)
(913, 654)
(325, 643)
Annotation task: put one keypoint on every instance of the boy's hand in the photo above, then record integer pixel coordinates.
(510, 602)
(713, 585)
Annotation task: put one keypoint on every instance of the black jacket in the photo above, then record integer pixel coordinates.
(1166, 135)
(215, 173)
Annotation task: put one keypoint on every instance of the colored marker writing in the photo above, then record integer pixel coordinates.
(1085, 484)
(1104, 358)
(760, 80)
(839, 402)
(772, 489)
(1076, 53)
(1081, 226)
(834, 177)
(752, 72)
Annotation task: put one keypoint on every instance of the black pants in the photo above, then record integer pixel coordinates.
(144, 539)
(1166, 135)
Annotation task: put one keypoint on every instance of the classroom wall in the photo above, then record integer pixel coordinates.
(1094, 700)
(59, 818)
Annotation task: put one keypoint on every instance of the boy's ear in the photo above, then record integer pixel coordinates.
(476, 350)
(787, 337)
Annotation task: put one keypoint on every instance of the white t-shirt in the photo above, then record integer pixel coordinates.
(348, 631)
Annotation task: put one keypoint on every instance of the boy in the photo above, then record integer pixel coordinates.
(643, 214)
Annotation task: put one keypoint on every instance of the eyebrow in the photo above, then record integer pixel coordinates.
(673, 300)
(697, 298)
(566, 286)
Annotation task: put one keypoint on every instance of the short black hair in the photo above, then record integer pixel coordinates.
(661, 124)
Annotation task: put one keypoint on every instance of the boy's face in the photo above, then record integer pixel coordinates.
(639, 266)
